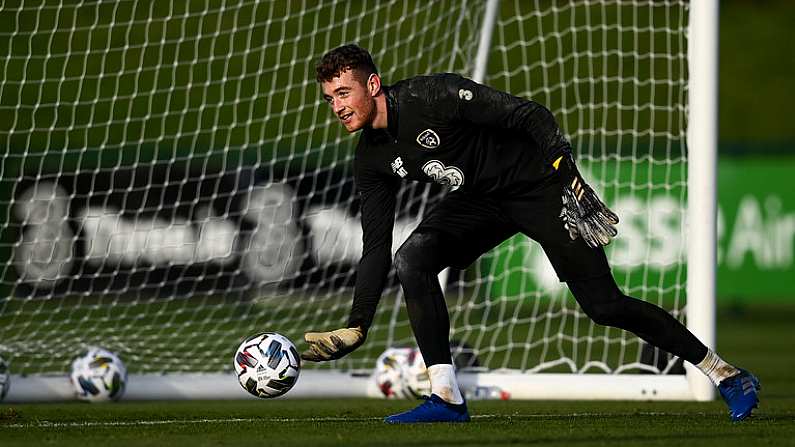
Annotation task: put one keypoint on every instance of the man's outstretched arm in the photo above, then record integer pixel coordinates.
(378, 217)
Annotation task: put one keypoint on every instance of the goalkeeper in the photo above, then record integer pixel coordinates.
(511, 170)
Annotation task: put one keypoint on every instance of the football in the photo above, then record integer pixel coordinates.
(400, 373)
(267, 364)
(98, 375)
(5, 378)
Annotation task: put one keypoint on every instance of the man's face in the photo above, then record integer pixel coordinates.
(350, 99)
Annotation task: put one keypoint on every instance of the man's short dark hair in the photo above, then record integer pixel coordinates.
(344, 58)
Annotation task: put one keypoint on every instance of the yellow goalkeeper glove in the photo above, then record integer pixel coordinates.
(324, 346)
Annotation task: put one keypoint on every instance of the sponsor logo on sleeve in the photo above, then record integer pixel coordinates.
(465, 94)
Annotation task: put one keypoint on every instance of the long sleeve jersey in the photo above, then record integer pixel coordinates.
(447, 129)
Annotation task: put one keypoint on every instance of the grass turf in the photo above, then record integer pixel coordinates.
(754, 337)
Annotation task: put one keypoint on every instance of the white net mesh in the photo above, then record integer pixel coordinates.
(172, 182)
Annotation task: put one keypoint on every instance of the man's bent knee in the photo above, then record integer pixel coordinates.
(420, 253)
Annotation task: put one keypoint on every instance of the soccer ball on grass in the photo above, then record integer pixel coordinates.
(267, 364)
(5, 378)
(98, 375)
(400, 373)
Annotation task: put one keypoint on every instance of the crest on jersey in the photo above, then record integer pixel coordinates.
(428, 139)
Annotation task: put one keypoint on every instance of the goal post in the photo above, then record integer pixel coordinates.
(702, 180)
(172, 183)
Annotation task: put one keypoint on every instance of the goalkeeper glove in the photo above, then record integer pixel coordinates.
(583, 213)
(332, 345)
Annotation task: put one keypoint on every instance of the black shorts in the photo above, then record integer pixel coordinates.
(474, 224)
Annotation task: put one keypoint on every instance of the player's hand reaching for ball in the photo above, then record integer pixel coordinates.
(324, 346)
(584, 214)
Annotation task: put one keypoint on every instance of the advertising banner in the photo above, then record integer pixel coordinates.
(756, 234)
(176, 229)
(172, 229)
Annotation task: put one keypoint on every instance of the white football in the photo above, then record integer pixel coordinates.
(267, 364)
(5, 378)
(400, 373)
(98, 375)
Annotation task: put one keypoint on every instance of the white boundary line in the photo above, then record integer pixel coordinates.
(51, 424)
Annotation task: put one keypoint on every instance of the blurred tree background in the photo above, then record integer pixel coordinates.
(757, 72)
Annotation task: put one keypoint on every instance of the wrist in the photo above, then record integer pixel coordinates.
(355, 322)
(361, 332)
(565, 167)
(556, 163)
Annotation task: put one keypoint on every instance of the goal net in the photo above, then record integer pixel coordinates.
(172, 182)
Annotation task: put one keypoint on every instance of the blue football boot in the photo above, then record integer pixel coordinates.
(434, 409)
(740, 393)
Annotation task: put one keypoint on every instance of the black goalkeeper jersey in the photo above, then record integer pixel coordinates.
(446, 129)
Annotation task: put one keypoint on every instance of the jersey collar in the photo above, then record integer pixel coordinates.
(388, 135)
(391, 110)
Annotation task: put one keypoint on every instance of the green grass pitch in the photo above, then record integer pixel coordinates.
(756, 337)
